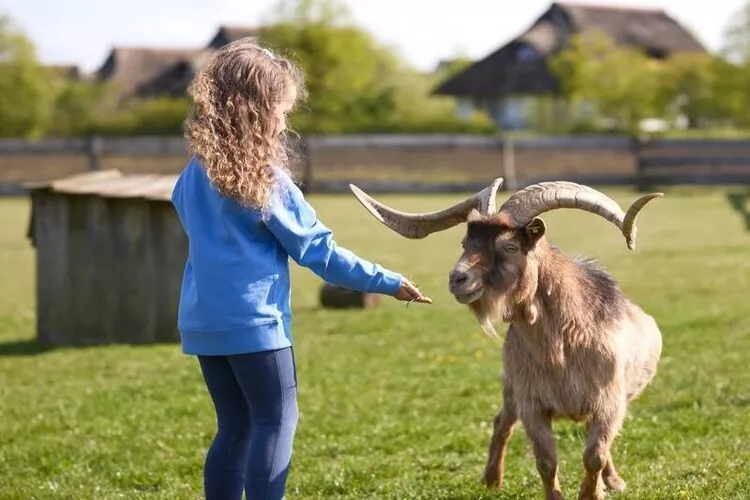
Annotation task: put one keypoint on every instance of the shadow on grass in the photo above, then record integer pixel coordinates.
(32, 347)
(740, 202)
(25, 347)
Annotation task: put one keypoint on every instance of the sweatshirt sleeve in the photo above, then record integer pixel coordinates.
(310, 244)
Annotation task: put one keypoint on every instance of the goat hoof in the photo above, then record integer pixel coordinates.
(490, 480)
(597, 495)
(614, 482)
(591, 491)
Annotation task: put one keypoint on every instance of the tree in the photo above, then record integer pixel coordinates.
(346, 69)
(26, 93)
(453, 66)
(736, 44)
(689, 83)
(77, 106)
(619, 82)
(732, 69)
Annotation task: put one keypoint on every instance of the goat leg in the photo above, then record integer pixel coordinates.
(602, 431)
(611, 478)
(538, 427)
(504, 422)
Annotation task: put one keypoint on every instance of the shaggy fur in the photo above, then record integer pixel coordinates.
(576, 348)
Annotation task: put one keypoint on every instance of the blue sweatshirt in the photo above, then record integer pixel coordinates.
(235, 295)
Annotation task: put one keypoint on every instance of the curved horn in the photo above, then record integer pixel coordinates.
(536, 199)
(420, 225)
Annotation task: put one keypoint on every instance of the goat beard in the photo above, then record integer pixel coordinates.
(508, 305)
(493, 307)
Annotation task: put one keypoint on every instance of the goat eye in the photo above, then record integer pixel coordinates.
(510, 248)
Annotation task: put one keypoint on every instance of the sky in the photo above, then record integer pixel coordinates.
(82, 32)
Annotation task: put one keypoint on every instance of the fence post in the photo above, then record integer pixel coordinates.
(307, 174)
(509, 162)
(637, 144)
(94, 151)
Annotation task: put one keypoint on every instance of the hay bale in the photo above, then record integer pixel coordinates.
(336, 297)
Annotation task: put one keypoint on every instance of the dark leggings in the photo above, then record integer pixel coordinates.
(255, 396)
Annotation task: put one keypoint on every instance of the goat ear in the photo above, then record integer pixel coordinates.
(535, 230)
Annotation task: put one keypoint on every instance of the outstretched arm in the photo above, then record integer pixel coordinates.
(310, 244)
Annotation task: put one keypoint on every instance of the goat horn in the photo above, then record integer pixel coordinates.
(536, 199)
(420, 225)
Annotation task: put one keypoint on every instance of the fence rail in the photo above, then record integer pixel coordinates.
(517, 159)
(692, 161)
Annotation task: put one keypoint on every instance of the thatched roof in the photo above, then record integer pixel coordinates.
(651, 29)
(147, 71)
(174, 80)
(508, 70)
(227, 34)
(130, 68)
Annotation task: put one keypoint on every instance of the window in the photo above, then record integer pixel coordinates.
(526, 53)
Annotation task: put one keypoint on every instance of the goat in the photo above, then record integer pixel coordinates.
(576, 347)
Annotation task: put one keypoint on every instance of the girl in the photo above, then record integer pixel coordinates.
(244, 217)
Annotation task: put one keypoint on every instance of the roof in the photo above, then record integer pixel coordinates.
(174, 79)
(131, 67)
(501, 72)
(112, 184)
(231, 33)
(640, 26)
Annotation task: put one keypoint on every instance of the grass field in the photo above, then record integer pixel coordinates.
(397, 402)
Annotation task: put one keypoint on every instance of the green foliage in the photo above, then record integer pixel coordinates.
(397, 402)
(355, 83)
(604, 81)
(736, 43)
(689, 82)
(344, 66)
(76, 109)
(154, 116)
(358, 85)
(620, 82)
(453, 66)
(417, 111)
(26, 92)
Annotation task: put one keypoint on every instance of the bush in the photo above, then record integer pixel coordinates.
(158, 116)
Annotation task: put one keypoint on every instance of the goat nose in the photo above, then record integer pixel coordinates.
(458, 278)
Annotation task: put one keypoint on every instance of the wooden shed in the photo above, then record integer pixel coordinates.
(110, 253)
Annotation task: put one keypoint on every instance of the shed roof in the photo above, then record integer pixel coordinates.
(112, 184)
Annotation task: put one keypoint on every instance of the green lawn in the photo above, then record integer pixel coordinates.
(397, 402)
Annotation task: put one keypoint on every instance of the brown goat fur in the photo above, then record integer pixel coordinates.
(576, 348)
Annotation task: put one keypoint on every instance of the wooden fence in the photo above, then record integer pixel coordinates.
(691, 161)
(412, 163)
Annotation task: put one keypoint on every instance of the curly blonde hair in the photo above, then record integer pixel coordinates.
(233, 127)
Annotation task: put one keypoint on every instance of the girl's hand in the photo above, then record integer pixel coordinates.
(410, 293)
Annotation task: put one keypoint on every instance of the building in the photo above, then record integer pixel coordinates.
(228, 34)
(150, 72)
(505, 82)
(130, 71)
